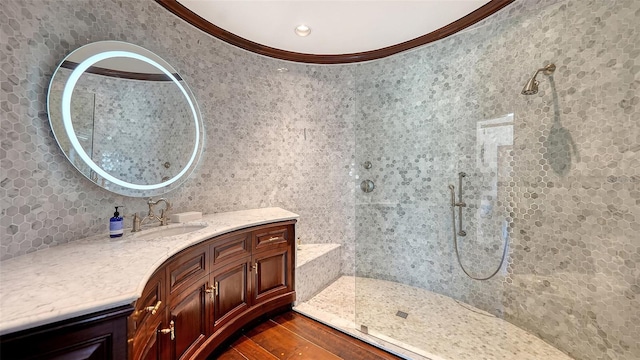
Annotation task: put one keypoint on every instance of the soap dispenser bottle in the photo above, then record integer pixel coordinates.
(116, 224)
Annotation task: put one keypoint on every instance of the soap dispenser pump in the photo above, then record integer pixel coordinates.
(116, 224)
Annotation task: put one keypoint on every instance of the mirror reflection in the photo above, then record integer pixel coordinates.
(125, 119)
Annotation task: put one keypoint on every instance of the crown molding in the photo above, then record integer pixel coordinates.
(194, 19)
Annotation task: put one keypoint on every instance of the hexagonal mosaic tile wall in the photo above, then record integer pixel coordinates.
(273, 138)
(556, 174)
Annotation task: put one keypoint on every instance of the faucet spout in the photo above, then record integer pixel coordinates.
(164, 213)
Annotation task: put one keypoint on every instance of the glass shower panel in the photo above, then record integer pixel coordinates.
(410, 289)
(419, 127)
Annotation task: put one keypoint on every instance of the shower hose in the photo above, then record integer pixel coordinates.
(455, 246)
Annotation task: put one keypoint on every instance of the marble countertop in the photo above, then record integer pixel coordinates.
(99, 273)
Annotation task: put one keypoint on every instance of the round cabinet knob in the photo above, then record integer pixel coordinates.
(367, 186)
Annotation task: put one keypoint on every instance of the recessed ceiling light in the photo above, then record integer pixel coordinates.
(302, 30)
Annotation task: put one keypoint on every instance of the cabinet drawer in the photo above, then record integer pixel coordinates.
(231, 247)
(274, 237)
(188, 267)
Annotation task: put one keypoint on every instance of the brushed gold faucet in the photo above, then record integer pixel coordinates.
(151, 216)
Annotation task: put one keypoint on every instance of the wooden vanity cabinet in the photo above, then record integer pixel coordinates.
(97, 336)
(190, 305)
(214, 288)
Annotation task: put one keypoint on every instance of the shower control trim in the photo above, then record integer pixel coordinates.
(367, 186)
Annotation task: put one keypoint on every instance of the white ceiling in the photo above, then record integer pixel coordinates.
(337, 26)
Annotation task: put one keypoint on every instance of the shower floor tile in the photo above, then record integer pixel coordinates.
(436, 327)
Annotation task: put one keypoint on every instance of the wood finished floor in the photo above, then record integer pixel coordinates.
(294, 336)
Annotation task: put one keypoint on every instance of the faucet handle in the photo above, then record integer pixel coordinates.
(163, 219)
(136, 223)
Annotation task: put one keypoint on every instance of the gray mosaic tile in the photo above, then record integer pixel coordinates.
(273, 139)
(317, 266)
(457, 331)
(567, 188)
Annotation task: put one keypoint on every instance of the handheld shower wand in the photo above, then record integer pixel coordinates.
(460, 204)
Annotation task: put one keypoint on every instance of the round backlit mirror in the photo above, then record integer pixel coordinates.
(125, 119)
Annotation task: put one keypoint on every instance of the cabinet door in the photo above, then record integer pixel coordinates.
(148, 342)
(99, 336)
(272, 274)
(150, 306)
(231, 284)
(188, 320)
(147, 319)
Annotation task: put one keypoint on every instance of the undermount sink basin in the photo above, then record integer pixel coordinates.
(170, 230)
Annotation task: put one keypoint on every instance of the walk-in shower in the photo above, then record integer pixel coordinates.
(474, 181)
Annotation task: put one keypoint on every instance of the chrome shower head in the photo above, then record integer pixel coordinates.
(531, 87)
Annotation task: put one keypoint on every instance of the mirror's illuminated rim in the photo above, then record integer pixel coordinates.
(68, 125)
